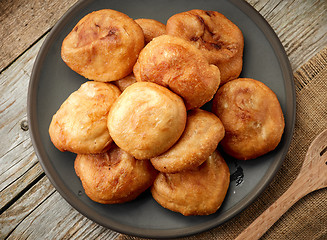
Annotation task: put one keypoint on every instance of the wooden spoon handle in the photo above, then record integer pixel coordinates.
(257, 228)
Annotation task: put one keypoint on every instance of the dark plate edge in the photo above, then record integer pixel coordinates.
(248, 200)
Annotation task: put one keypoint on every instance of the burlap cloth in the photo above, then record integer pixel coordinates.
(307, 219)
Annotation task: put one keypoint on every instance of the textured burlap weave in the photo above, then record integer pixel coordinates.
(307, 219)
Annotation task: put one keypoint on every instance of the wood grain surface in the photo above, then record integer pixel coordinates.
(23, 22)
(29, 205)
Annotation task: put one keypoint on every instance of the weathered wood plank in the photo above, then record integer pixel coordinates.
(22, 22)
(17, 188)
(300, 25)
(24, 206)
(16, 153)
(60, 221)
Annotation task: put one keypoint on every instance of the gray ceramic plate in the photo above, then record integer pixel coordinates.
(52, 82)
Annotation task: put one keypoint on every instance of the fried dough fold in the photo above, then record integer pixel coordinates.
(123, 83)
(151, 28)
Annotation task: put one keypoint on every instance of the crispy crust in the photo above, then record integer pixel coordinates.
(151, 28)
(103, 46)
(176, 64)
(252, 117)
(114, 176)
(146, 120)
(123, 83)
(220, 40)
(199, 140)
(195, 192)
(80, 124)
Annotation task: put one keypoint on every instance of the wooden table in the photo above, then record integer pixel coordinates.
(30, 206)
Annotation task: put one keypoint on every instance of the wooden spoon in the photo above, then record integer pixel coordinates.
(312, 176)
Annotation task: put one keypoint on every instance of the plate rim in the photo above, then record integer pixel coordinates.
(59, 185)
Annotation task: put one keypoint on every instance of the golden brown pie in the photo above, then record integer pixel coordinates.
(194, 192)
(80, 124)
(220, 40)
(252, 117)
(146, 120)
(103, 46)
(178, 65)
(199, 140)
(114, 176)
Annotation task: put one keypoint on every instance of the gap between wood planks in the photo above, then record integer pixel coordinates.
(22, 192)
(34, 208)
(26, 50)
